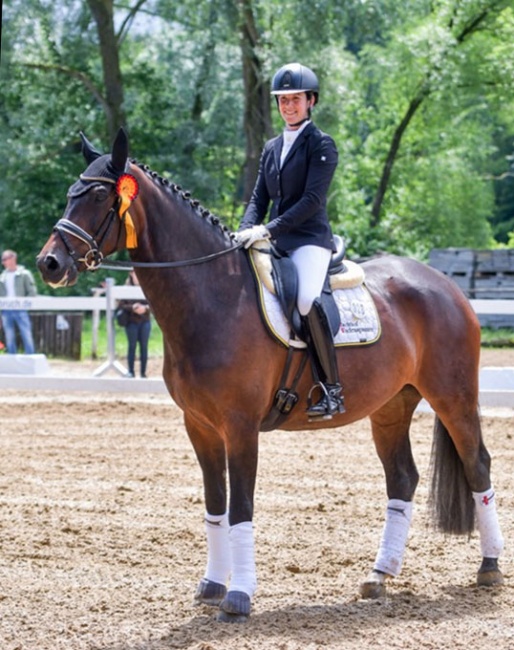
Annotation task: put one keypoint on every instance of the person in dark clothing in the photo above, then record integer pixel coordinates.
(295, 172)
(137, 328)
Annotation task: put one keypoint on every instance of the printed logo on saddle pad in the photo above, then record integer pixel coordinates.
(360, 324)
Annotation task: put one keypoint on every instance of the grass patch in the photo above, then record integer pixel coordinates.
(497, 338)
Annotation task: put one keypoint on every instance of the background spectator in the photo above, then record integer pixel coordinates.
(137, 328)
(16, 281)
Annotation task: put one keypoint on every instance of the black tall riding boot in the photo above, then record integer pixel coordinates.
(321, 346)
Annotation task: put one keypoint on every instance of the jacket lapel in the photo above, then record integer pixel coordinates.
(277, 149)
(301, 138)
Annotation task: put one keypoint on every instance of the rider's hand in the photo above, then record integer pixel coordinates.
(249, 236)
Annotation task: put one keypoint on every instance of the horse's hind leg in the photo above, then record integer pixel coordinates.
(461, 490)
(390, 428)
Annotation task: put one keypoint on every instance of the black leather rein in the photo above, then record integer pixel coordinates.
(120, 266)
(94, 259)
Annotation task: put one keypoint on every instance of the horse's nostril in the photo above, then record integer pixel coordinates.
(51, 263)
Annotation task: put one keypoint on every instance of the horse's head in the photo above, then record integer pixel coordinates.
(96, 219)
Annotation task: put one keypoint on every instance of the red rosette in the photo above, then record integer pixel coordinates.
(127, 187)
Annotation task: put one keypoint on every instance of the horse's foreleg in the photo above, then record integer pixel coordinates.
(390, 427)
(242, 454)
(210, 451)
(212, 587)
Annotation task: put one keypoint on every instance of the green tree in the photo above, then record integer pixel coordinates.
(418, 97)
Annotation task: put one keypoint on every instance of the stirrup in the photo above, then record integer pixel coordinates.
(330, 402)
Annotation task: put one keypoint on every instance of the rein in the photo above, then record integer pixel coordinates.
(94, 259)
(126, 266)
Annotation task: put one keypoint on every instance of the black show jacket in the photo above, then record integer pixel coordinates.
(298, 190)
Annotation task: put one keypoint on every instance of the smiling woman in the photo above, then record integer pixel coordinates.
(295, 173)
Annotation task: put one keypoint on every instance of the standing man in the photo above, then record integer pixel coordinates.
(16, 281)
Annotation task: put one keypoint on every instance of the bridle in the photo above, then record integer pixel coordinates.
(93, 259)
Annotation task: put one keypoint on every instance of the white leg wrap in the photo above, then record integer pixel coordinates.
(244, 576)
(491, 538)
(218, 550)
(394, 537)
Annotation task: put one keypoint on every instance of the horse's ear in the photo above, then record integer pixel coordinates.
(120, 151)
(89, 152)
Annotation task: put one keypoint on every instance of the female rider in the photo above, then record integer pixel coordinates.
(295, 172)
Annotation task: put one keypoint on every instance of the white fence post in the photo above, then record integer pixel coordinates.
(111, 362)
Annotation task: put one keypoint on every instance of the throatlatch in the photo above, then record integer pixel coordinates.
(319, 339)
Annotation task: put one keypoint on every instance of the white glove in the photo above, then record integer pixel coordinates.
(249, 236)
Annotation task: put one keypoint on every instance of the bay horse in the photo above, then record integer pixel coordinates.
(222, 368)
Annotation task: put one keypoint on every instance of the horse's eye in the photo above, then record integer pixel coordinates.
(101, 194)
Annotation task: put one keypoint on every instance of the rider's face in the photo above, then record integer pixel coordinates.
(294, 108)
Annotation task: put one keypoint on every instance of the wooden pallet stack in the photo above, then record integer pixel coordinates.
(481, 274)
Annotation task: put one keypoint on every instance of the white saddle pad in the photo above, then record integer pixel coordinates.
(360, 324)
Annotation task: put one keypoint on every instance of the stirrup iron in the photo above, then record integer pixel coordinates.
(331, 402)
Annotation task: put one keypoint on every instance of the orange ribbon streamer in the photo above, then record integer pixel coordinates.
(127, 188)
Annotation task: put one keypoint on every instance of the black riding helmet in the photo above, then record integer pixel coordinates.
(295, 78)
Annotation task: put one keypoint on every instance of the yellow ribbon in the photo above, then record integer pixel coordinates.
(130, 229)
(127, 189)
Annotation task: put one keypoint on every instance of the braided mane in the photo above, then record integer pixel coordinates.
(176, 190)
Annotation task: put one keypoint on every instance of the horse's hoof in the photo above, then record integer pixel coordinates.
(374, 586)
(235, 607)
(489, 575)
(210, 593)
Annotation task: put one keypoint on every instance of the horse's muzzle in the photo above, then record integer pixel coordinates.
(57, 268)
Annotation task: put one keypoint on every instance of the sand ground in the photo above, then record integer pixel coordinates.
(102, 544)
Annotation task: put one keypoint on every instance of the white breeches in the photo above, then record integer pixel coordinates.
(312, 264)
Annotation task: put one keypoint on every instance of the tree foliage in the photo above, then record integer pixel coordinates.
(418, 97)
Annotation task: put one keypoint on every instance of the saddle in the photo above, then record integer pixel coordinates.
(285, 285)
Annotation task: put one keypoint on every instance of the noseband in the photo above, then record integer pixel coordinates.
(93, 257)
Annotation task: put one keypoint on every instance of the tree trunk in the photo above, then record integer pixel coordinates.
(102, 11)
(391, 157)
(466, 31)
(257, 106)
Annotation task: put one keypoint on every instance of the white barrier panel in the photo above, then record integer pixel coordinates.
(495, 386)
(72, 303)
(128, 292)
(63, 384)
(493, 306)
(125, 292)
(24, 364)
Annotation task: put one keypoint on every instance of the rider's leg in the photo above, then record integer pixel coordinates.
(312, 265)
(331, 400)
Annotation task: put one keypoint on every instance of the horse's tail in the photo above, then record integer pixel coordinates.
(451, 501)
